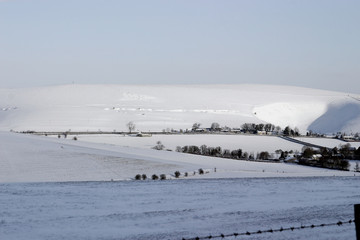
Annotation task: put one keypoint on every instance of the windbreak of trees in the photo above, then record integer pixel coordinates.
(288, 131)
(336, 158)
(252, 128)
(222, 153)
(269, 128)
(349, 152)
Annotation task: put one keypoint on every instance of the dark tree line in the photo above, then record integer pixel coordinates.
(336, 158)
(288, 131)
(269, 128)
(210, 151)
(330, 158)
(254, 128)
(222, 153)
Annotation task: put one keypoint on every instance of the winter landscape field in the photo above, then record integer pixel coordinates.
(52, 187)
(178, 209)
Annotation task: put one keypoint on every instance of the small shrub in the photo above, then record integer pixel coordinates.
(177, 174)
(159, 146)
(201, 171)
(357, 168)
(144, 177)
(75, 138)
(138, 177)
(186, 174)
(154, 177)
(162, 177)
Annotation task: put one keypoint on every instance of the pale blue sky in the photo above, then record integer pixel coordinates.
(311, 43)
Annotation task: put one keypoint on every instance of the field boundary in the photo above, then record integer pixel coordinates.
(302, 227)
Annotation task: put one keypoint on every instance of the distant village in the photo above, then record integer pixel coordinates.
(261, 129)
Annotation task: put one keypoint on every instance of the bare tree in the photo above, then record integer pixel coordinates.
(357, 168)
(278, 129)
(215, 126)
(269, 127)
(260, 127)
(196, 126)
(131, 126)
(159, 146)
(249, 127)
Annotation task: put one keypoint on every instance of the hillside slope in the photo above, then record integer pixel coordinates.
(27, 158)
(158, 107)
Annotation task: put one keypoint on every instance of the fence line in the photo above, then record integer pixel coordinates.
(339, 223)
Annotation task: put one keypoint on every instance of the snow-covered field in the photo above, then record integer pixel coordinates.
(111, 107)
(249, 143)
(179, 209)
(26, 158)
(327, 142)
(252, 144)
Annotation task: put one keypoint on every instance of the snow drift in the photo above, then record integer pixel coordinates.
(158, 107)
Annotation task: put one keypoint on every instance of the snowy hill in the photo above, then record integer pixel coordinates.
(110, 107)
(26, 158)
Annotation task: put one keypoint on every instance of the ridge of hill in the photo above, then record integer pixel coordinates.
(158, 107)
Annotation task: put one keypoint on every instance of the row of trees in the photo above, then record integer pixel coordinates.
(177, 174)
(269, 128)
(332, 163)
(326, 159)
(288, 131)
(249, 128)
(252, 128)
(222, 153)
(153, 177)
(344, 151)
(246, 128)
(335, 158)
